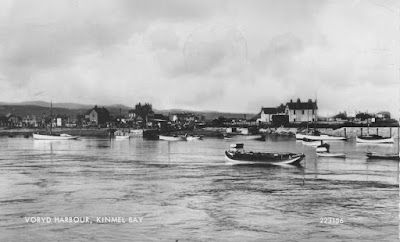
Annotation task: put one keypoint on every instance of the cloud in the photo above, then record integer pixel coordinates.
(227, 55)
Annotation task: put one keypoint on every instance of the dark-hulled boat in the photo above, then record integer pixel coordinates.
(242, 157)
(384, 156)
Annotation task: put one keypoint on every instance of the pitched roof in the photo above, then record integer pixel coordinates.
(302, 105)
(269, 110)
(99, 111)
(159, 117)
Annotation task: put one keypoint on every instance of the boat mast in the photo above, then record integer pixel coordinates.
(51, 115)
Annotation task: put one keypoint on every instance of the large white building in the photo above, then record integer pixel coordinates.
(302, 111)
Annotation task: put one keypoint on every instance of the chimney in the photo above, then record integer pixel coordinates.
(291, 101)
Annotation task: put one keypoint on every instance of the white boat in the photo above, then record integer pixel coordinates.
(374, 139)
(254, 137)
(327, 154)
(300, 136)
(323, 137)
(313, 143)
(321, 149)
(54, 137)
(171, 138)
(190, 138)
(122, 137)
(50, 135)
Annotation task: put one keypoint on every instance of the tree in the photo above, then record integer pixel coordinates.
(364, 116)
(219, 121)
(340, 115)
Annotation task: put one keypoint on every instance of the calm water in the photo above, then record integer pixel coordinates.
(185, 191)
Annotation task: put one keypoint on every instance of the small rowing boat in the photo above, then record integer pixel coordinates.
(374, 139)
(171, 138)
(384, 156)
(51, 136)
(333, 155)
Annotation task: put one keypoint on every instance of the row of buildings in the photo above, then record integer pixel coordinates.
(141, 116)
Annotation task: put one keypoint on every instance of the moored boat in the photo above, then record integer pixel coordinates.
(324, 137)
(122, 137)
(171, 138)
(195, 137)
(327, 154)
(374, 139)
(255, 137)
(51, 136)
(238, 156)
(376, 155)
(237, 146)
(300, 136)
(324, 147)
(259, 137)
(313, 143)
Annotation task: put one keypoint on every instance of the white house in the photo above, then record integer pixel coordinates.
(302, 111)
(266, 114)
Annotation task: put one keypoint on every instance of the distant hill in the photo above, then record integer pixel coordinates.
(209, 115)
(40, 108)
(38, 111)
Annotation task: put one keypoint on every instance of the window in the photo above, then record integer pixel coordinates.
(294, 120)
(313, 111)
(302, 111)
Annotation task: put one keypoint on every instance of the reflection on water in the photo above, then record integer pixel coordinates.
(185, 191)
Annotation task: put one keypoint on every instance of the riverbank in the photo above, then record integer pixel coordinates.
(216, 132)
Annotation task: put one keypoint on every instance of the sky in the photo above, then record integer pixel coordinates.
(223, 55)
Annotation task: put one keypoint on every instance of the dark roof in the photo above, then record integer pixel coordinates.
(99, 111)
(159, 117)
(302, 105)
(269, 110)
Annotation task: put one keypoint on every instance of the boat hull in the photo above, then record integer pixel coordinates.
(54, 137)
(333, 155)
(314, 143)
(245, 137)
(292, 159)
(122, 137)
(323, 137)
(374, 155)
(300, 136)
(191, 138)
(374, 141)
(171, 138)
(321, 149)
